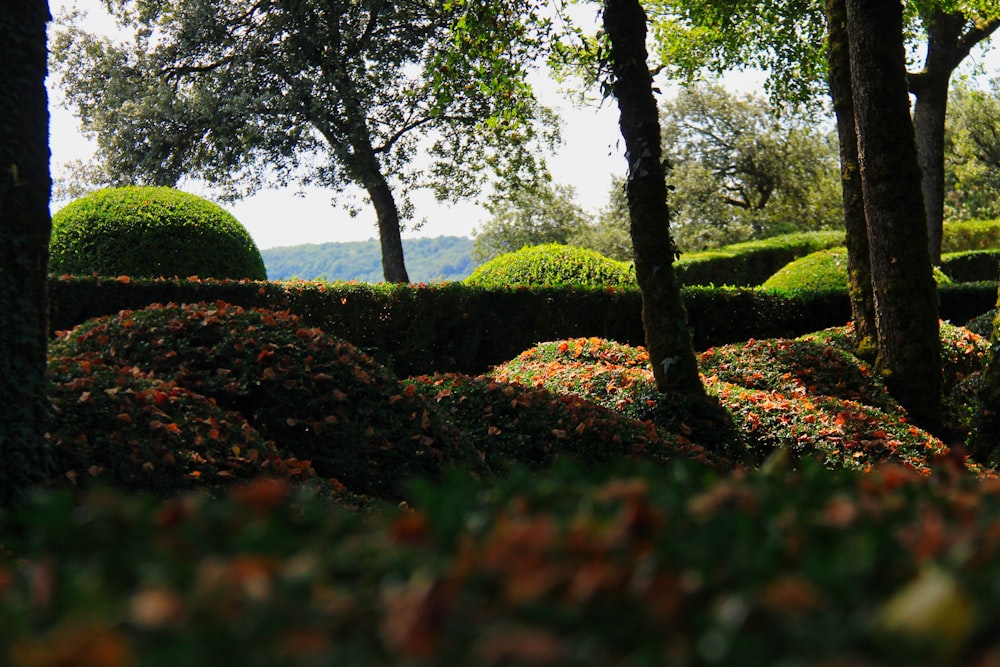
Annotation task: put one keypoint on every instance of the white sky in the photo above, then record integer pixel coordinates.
(589, 156)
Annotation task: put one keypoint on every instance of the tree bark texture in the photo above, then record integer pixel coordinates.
(905, 295)
(948, 44)
(664, 318)
(859, 277)
(25, 227)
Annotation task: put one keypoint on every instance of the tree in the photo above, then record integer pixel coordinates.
(664, 319)
(536, 215)
(24, 236)
(903, 289)
(255, 93)
(608, 233)
(953, 28)
(741, 168)
(785, 37)
(972, 165)
(859, 276)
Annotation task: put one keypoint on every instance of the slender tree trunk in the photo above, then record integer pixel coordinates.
(931, 90)
(24, 237)
(386, 212)
(949, 42)
(906, 306)
(387, 215)
(859, 276)
(664, 319)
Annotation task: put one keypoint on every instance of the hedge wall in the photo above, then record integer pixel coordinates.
(451, 327)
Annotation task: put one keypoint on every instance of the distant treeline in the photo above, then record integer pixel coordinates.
(444, 258)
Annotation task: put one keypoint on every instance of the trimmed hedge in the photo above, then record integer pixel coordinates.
(971, 265)
(971, 235)
(146, 232)
(751, 263)
(419, 329)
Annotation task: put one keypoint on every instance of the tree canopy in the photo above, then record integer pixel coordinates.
(741, 168)
(259, 93)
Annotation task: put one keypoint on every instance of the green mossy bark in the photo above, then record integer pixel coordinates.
(859, 277)
(25, 186)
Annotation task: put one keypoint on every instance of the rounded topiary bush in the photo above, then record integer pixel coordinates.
(121, 426)
(317, 397)
(823, 270)
(552, 265)
(149, 232)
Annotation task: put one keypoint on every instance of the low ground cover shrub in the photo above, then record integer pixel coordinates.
(149, 232)
(316, 396)
(584, 566)
(552, 265)
(516, 424)
(971, 265)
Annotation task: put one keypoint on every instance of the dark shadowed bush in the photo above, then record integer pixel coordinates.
(122, 426)
(317, 397)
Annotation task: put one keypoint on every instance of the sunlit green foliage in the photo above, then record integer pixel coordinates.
(147, 232)
(538, 215)
(552, 265)
(973, 152)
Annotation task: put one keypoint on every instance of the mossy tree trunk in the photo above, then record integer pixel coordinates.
(905, 295)
(24, 237)
(859, 277)
(664, 319)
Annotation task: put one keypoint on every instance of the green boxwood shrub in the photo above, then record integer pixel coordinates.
(750, 263)
(552, 265)
(820, 271)
(149, 232)
(317, 397)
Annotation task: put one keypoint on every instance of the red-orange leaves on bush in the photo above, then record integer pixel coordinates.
(317, 397)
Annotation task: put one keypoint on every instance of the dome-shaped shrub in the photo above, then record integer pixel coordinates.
(121, 426)
(317, 397)
(148, 232)
(823, 270)
(552, 265)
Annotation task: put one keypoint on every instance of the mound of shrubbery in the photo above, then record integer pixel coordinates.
(821, 271)
(552, 265)
(567, 514)
(148, 232)
(317, 397)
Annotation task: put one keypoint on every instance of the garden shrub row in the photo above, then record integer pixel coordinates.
(751, 263)
(419, 329)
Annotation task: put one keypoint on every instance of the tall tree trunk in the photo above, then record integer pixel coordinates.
(859, 276)
(24, 237)
(931, 90)
(664, 318)
(948, 44)
(906, 305)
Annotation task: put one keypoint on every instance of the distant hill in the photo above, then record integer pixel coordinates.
(444, 258)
